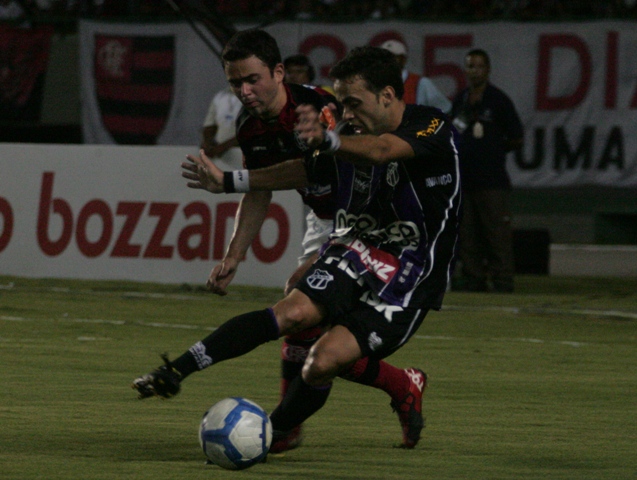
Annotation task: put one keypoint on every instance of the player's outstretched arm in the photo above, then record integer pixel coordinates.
(204, 174)
(286, 175)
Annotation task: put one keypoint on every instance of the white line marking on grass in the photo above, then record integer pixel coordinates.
(624, 315)
(96, 320)
(181, 326)
(173, 325)
(505, 339)
(172, 296)
(544, 311)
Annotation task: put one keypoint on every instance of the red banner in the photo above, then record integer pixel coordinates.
(24, 55)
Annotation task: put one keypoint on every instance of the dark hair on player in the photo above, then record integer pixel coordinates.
(376, 66)
(254, 41)
(480, 53)
(300, 60)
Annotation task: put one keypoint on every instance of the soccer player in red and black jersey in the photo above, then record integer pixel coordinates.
(267, 136)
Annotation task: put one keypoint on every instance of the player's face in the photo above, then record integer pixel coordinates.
(259, 90)
(362, 108)
(476, 69)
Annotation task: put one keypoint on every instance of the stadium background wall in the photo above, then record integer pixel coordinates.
(115, 212)
(577, 212)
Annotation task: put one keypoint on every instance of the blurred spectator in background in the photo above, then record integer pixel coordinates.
(219, 131)
(384, 9)
(12, 11)
(303, 10)
(299, 69)
(454, 10)
(489, 127)
(418, 89)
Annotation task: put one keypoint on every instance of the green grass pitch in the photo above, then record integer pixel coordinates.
(541, 384)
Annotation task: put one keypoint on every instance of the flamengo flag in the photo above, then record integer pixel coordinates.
(24, 55)
(134, 77)
(122, 64)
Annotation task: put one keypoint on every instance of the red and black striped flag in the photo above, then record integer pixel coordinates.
(24, 56)
(134, 78)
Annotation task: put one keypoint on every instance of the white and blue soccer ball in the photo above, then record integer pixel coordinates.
(235, 433)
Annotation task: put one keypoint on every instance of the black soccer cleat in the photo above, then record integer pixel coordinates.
(163, 382)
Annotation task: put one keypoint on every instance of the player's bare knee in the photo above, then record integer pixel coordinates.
(319, 368)
(296, 312)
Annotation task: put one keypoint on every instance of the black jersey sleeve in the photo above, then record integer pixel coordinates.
(320, 167)
(426, 129)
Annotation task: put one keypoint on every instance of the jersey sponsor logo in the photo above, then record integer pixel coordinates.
(439, 180)
(403, 234)
(316, 190)
(374, 341)
(347, 223)
(392, 174)
(373, 300)
(383, 265)
(405, 273)
(345, 265)
(433, 128)
(319, 279)
(198, 351)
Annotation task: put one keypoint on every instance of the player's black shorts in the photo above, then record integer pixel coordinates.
(379, 328)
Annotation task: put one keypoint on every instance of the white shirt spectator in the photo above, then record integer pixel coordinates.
(222, 114)
(428, 94)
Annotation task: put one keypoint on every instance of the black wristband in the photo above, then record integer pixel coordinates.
(228, 182)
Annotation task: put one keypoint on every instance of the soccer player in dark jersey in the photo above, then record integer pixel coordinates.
(389, 259)
(265, 131)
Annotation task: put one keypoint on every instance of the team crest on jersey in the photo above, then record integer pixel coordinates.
(433, 127)
(319, 279)
(362, 181)
(392, 174)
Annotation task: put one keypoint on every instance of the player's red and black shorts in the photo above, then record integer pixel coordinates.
(379, 328)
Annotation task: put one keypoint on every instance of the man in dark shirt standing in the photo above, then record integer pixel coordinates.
(490, 127)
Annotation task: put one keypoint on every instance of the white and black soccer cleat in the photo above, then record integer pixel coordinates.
(163, 382)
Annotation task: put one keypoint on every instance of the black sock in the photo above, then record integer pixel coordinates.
(234, 338)
(290, 370)
(300, 403)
